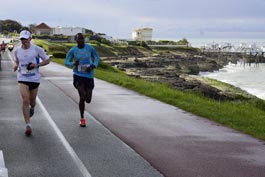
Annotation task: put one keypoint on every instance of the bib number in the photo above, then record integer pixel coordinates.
(25, 72)
(82, 68)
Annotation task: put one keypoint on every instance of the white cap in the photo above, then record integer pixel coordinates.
(25, 34)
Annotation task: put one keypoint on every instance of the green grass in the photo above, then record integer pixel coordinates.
(58, 60)
(247, 116)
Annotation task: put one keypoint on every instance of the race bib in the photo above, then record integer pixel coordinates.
(82, 68)
(25, 72)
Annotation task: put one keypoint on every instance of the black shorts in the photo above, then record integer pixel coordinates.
(83, 81)
(31, 85)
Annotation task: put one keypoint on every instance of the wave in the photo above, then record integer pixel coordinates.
(248, 78)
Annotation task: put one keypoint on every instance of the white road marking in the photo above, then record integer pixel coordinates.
(3, 169)
(68, 147)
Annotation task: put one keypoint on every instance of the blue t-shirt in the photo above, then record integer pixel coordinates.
(84, 56)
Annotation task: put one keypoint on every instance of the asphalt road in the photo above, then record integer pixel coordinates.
(128, 135)
(58, 147)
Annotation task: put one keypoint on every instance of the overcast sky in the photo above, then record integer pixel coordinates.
(169, 19)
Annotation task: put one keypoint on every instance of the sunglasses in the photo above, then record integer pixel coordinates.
(23, 39)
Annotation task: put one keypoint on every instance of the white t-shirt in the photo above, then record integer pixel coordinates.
(34, 54)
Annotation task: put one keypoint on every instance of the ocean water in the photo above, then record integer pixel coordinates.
(249, 78)
(200, 42)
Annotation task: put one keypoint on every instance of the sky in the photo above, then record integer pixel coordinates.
(169, 19)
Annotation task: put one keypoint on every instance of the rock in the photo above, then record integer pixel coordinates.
(168, 67)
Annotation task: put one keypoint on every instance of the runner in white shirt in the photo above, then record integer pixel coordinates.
(29, 58)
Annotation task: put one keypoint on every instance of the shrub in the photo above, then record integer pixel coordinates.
(59, 54)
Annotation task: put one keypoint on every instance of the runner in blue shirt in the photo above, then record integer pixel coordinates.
(83, 58)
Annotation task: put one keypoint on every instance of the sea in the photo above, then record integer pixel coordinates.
(247, 77)
(236, 42)
(250, 78)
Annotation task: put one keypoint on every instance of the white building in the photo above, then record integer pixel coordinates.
(109, 38)
(142, 34)
(68, 31)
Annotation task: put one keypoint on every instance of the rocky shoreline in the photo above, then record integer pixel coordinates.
(180, 69)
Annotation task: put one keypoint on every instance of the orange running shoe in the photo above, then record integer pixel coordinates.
(82, 122)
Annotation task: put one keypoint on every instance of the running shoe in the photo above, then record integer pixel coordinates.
(82, 122)
(28, 130)
(31, 112)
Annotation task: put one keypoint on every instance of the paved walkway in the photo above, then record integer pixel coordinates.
(59, 147)
(175, 142)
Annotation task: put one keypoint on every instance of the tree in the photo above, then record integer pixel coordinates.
(31, 27)
(10, 25)
(183, 41)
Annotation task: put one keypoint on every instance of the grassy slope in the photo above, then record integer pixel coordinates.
(246, 116)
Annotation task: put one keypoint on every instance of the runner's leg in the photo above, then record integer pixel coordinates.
(32, 97)
(88, 95)
(81, 92)
(32, 100)
(24, 91)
